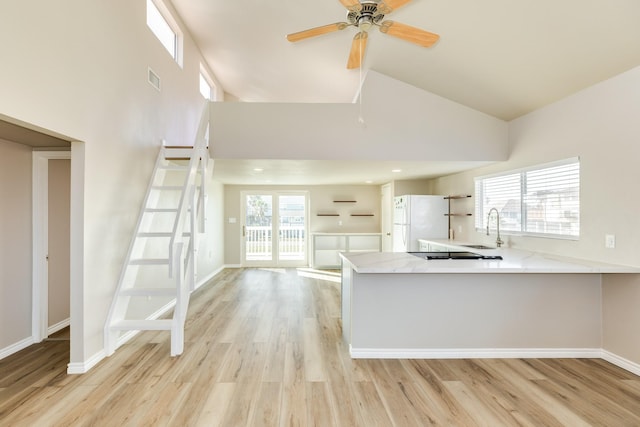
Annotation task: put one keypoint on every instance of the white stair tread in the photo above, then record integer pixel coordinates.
(160, 210)
(167, 187)
(174, 166)
(149, 261)
(143, 325)
(160, 234)
(151, 292)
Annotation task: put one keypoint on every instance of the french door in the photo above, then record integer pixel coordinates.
(274, 228)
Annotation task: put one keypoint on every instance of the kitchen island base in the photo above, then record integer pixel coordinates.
(461, 315)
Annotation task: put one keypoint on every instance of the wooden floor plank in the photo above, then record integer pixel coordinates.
(320, 412)
(215, 405)
(264, 347)
(553, 411)
(588, 403)
(372, 410)
(482, 415)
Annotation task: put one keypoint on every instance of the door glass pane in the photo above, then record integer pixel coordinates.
(291, 236)
(259, 217)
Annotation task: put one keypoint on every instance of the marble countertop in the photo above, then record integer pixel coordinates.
(514, 261)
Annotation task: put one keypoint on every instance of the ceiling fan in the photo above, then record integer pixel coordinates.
(364, 14)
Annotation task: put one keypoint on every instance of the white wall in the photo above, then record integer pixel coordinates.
(80, 68)
(600, 125)
(412, 186)
(401, 122)
(15, 243)
(321, 199)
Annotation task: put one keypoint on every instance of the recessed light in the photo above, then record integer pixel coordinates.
(368, 182)
(396, 170)
(258, 169)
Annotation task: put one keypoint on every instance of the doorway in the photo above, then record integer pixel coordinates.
(51, 242)
(386, 219)
(274, 229)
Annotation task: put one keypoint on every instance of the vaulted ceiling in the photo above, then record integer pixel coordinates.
(502, 57)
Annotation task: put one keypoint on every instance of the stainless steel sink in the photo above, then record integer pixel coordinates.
(477, 246)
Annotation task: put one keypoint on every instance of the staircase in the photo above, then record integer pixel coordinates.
(160, 268)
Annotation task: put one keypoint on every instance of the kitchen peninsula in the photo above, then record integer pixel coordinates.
(396, 305)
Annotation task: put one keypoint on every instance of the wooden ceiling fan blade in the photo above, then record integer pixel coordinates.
(317, 31)
(358, 48)
(411, 34)
(352, 5)
(385, 7)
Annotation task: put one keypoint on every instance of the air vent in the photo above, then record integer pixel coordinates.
(154, 79)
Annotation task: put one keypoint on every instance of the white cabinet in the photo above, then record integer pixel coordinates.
(327, 247)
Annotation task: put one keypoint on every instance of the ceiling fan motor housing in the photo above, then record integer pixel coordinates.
(367, 16)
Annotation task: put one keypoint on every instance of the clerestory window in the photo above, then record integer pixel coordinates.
(164, 28)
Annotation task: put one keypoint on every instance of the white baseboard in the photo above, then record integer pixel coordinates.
(621, 362)
(14, 348)
(474, 353)
(83, 367)
(209, 276)
(58, 326)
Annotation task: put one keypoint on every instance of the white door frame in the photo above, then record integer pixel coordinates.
(40, 236)
(275, 261)
(386, 217)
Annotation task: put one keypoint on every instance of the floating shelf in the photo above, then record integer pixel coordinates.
(344, 201)
(327, 214)
(361, 214)
(450, 214)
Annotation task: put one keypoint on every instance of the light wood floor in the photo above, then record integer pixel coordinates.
(264, 348)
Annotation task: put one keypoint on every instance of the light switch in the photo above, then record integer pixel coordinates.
(232, 220)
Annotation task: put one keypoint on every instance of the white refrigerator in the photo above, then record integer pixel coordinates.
(418, 217)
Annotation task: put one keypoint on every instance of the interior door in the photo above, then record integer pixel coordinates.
(58, 244)
(274, 229)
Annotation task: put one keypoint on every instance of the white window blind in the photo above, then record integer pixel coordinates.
(542, 200)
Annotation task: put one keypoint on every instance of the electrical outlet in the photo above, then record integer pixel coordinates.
(610, 241)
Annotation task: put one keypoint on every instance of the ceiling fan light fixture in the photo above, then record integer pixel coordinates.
(365, 23)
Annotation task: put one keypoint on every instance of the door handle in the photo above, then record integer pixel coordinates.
(243, 231)
(388, 234)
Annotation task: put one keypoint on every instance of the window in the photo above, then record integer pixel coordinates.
(207, 84)
(540, 201)
(161, 25)
(205, 87)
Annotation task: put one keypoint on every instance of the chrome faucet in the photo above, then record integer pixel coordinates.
(499, 241)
